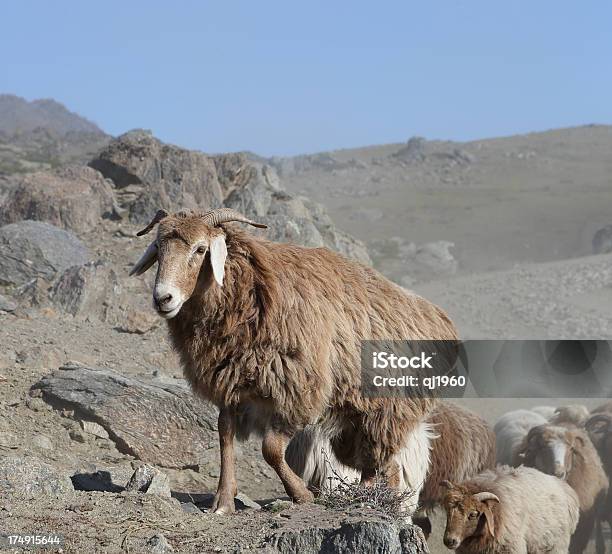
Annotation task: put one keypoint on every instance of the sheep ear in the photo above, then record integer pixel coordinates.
(490, 520)
(578, 441)
(218, 253)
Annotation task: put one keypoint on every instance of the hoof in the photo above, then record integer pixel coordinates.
(304, 498)
(223, 504)
(224, 510)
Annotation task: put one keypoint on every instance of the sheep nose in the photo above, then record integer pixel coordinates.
(451, 542)
(559, 472)
(162, 299)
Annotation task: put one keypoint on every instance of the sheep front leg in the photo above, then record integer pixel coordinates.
(227, 489)
(273, 449)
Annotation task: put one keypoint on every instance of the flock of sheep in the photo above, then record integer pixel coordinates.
(271, 333)
(537, 482)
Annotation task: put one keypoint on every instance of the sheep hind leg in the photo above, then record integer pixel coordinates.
(227, 488)
(273, 449)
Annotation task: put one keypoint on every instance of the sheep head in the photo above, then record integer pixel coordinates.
(469, 515)
(189, 247)
(599, 428)
(551, 449)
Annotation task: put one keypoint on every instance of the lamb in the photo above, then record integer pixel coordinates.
(517, 510)
(569, 454)
(271, 334)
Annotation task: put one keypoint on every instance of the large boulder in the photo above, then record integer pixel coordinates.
(149, 175)
(33, 249)
(314, 529)
(74, 198)
(94, 292)
(157, 421)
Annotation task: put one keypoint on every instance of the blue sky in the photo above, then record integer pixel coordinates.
(292, 77)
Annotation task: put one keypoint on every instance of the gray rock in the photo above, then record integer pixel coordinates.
(315, 530)
(6, 304)
(602, 240)
(150, 480)
(160, 485)
(159, 422)
(148, 175)
(141, 479)
(247, 502)
(95, 292)
(190, 508)
(158, 544)
(95, 429)
(29, 477)
(32, 249)
(74, 198)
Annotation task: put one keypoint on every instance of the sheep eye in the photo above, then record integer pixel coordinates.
(201, 249)
(473, 515)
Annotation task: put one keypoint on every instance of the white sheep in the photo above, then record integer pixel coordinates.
(510, 431)
(510, 511)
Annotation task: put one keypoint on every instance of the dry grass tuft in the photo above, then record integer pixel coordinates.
(343, 495)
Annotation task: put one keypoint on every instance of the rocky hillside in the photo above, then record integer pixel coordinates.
(429, 209)
(42, 134)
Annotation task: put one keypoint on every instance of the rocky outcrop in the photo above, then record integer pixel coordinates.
(315, 530)
(149, 175)
(73, 198)
(158, 422)
(412, 151)
(33, 249)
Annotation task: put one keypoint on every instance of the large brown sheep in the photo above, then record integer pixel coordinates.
(271, 333)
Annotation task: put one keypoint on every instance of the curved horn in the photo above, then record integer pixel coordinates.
(594, 419)
(147, 260)
(223, 215)
(156, 219)
(484, 496)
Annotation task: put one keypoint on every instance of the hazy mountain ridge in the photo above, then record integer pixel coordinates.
(42, 134)
(18, 115)
(519, 199)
